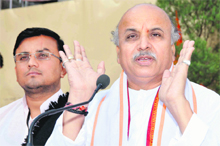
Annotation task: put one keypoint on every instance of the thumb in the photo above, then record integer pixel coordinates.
(101, 68)
(165, 80)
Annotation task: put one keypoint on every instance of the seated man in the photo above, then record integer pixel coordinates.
(152, 102)
(38, 68)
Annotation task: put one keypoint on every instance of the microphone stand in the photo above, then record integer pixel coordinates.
(55, 111)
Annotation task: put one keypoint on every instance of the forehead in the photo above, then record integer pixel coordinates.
(145, 16)
(37, 43)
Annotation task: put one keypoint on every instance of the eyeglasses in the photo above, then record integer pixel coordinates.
(24, 56)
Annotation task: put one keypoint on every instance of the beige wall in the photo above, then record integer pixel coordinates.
(88, 21)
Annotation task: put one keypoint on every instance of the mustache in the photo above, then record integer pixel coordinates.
(33, 70)
(142, 53)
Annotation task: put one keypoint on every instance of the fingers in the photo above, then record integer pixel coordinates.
(64, 58)
(68, 51)
(79, 58)
(68, 57)
(181, 68)
(84, 55)
(186, 52)
(185, 57)
(77, 51)
(83, 52)
(189, 50)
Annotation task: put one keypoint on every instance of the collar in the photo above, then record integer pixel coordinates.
(45, 104)
(143, 93)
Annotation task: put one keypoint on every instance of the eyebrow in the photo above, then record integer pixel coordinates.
(22, 53)
(157, 28)
(44, 49)
(130, 29)
(134, 30)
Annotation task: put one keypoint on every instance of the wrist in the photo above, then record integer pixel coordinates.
(79, 96)
(78, 109)
(182, 112)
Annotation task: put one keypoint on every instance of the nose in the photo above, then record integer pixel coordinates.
(32, 61)
(144, 43)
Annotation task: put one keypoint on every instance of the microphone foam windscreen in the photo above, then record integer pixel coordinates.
(104, 80)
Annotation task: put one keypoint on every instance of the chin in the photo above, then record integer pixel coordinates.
(144, 72)
(33, 85)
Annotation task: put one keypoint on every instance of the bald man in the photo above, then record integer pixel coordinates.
(152, 102)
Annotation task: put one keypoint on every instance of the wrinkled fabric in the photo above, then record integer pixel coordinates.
(202, 129)
(13, 125)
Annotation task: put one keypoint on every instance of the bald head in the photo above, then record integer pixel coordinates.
(140, 11)
(145, 12)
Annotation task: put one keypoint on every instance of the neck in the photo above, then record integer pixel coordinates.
(34, 101)
(144, 83)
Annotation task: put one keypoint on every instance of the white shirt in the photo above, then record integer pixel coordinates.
(13, 127)
(140, 107)
(202, 129)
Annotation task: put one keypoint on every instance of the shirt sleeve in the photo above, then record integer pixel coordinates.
(57, 137)
(85, 134)
(198, 133)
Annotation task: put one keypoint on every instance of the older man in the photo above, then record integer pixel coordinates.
(152, 102)
(38, 69)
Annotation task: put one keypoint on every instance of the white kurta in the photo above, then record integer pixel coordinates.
(13, 127)
(203, 128)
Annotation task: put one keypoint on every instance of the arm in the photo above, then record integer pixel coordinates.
(194, 129)
(82, 80)
(173, 86)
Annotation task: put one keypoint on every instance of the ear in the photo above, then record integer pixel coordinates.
(63, 71)
(173, 49)
(118, 52)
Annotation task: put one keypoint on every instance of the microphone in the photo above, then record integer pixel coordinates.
(101, 83)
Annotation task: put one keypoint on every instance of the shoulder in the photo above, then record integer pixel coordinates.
(98, 97)
(203, 92)
(14, 105)
(104, 95)
(208, 102)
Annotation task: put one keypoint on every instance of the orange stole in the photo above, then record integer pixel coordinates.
(152, 121)
(121, 116)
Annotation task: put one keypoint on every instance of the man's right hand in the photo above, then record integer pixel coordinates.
(82, 80)
(81, 76)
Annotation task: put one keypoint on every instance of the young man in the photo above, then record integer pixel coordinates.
(38, 68)
(152, 103)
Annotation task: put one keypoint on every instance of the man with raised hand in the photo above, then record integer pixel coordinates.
(152, 102)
